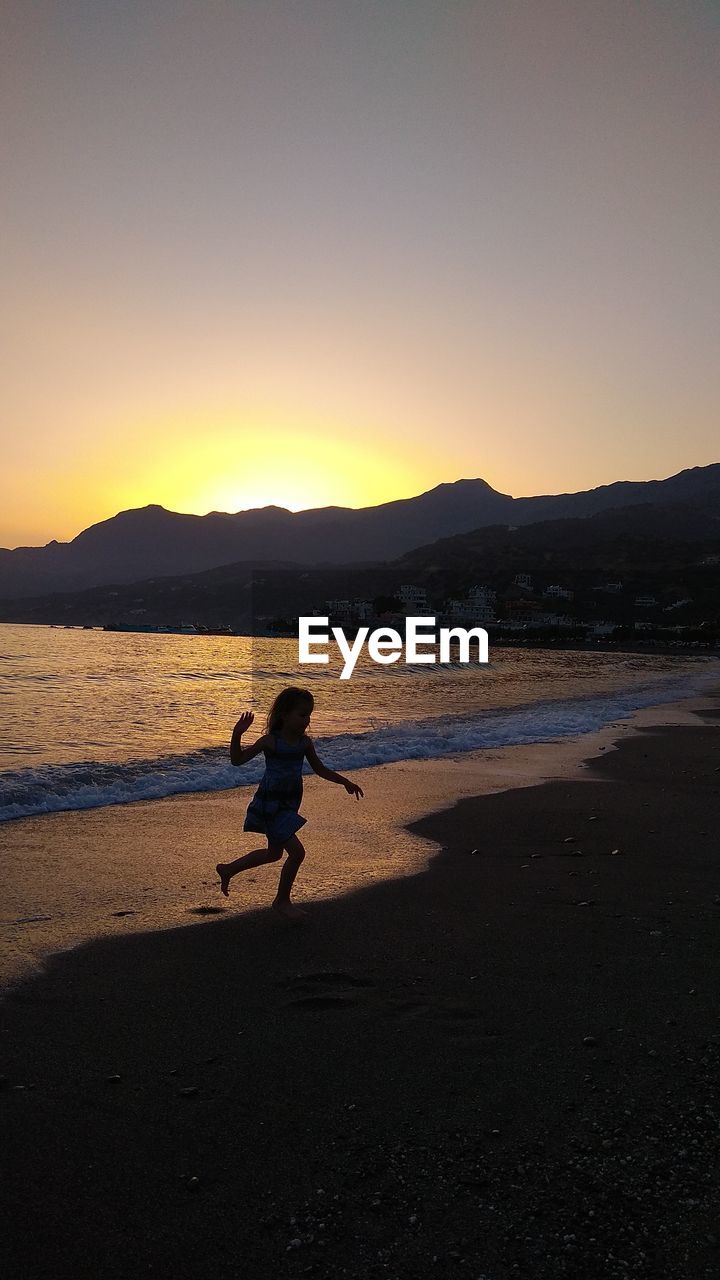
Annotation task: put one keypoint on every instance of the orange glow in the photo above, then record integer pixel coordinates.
(229, 462)
(250, 461)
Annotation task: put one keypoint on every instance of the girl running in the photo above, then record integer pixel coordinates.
(273, 809)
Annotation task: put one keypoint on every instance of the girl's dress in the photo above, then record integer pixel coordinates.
(273, 809)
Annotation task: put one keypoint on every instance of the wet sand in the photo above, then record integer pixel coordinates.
(71, 877)
(503, 1064)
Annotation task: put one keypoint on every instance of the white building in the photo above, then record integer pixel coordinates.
(338, 609)
(558, 593)
(413, 599)
(532, 619)
(483, 595)
(677, 604)
(552, 620)
(470, 611)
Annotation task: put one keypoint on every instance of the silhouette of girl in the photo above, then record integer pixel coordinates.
(273, 809)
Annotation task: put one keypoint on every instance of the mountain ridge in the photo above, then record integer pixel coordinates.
(154, 541)
(655, 547)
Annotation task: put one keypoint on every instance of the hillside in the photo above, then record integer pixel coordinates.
(664, 550)
(153, 542)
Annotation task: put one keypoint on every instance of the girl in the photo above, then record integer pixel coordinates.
(273, 809)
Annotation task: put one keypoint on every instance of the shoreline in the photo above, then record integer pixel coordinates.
(504, 1063)
(114, 893)
(660, 645)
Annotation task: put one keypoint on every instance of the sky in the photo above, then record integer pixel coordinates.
(315, 252)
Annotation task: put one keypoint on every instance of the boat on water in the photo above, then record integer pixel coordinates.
(182, 628)
(179, 629)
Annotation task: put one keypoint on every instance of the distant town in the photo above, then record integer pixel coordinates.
(637, 577)
(525, 609)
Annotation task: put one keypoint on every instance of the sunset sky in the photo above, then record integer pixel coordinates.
(319, 252)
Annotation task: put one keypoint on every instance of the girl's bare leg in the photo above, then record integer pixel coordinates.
(282, 903)
(256, 858)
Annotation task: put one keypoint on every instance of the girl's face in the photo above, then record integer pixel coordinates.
(297, 720)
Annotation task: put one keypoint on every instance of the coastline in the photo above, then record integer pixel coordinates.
(502, 1064)
(74, 876)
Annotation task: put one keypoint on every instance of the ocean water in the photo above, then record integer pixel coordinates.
(92, 721)
(93, 718)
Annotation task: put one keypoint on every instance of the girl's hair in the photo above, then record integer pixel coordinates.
(285, 703)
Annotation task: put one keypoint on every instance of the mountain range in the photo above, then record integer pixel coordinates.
(152, 542)
(668, 550)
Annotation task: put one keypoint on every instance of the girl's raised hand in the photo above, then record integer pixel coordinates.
(244, 722)
(353, 789)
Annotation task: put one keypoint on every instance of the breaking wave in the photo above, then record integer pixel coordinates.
(90, 785)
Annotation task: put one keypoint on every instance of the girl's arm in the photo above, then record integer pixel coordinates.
(238, 753)
(330, 775)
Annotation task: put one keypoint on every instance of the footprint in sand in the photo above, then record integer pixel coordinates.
(332, 996)
(332, 979)
(453, 1016)
(322, 1002)
(454, 1012)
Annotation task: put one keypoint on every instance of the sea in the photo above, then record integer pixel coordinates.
(93, 724)
(90, 718)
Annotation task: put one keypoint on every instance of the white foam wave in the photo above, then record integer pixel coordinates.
(89, 785)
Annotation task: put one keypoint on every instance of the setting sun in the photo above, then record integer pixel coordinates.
(302, 469)
(224, 460)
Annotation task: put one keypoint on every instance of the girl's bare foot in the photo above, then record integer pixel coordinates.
(289, 910)
(222, 871)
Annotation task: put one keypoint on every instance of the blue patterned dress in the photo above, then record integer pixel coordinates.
(273, 809)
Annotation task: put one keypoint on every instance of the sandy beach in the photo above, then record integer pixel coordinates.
(110, 872)
(501, 1061)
